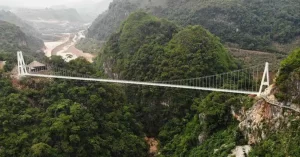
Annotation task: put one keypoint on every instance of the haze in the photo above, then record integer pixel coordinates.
(42, 3)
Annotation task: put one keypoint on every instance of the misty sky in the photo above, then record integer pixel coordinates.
(38, 3)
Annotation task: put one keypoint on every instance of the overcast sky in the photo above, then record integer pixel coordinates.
(38, 3)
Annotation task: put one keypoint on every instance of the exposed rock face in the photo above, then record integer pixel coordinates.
(264, 118)
(261, 116)
(202, 137)
(241, 151)
(153, 144)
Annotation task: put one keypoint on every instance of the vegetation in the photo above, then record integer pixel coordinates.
(211, 132)
(49, 117)
(33, 41)
(251, 24)
(282, 143)
(109, 21)
(13, 19)
(13, 39)
(90, 45)
(70, 118)
(148, 48)
(289, 78)
(10, 60)
(67, 118)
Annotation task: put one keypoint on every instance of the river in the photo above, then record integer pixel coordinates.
(65, 47)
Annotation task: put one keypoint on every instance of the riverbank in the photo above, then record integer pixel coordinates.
(66, 48)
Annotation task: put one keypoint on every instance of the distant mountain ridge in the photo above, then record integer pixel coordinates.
(89, 9)
(69, 14)
(12, 39)
(255, 24)
(25, 27)
(118, 10)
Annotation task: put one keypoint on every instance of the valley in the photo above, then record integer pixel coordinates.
(98, 72)
(65, 47)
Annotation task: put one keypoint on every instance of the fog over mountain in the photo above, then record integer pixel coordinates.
(42, 4)
(88, 9)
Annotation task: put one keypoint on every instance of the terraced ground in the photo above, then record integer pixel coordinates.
(252, 58)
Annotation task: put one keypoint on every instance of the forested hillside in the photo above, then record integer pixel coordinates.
(25, 27)
(283, 139)
(55, 118)
(147, 48)
(71, 118)
(288, 80)
(12, 39)
(67, 118)
(255, 24)
(109, 21)
(16, 34)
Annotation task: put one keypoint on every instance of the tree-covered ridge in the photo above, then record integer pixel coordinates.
(212, 131)
(283, 143)
(108, 22)
(288, 80)
(156, 49)
(67, 118)
(34, 43)
(252, 24)
(25, 27)
(13, 39)
(147, 48)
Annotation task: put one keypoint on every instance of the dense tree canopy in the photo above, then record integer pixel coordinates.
(64, 118)
(12, 39)
(212, 127)
(147, 48)
(250, 24)
(51, 117)
(288, 80)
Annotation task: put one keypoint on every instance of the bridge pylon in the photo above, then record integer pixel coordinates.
(265, 82)
(22, 68)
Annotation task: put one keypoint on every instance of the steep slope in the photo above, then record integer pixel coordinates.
(248, 24)
(147, 48)
(232, 125)
(25, 27)
(273, 130)
(143, 35)
(109, 21)
(288, 80)
(63, 118)
(12, 39)
(192, 123)
(33, 40)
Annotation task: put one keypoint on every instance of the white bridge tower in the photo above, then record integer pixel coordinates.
(22, 68)
(265, 79)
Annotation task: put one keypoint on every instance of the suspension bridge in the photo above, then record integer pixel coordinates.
(250, 81)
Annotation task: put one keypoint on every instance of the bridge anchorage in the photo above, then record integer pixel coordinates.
(244, 81)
